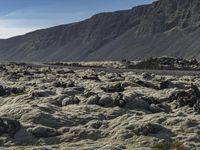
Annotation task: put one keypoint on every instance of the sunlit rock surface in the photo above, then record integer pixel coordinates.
(58, 108)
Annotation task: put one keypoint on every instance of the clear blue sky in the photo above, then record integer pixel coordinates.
(21, 16)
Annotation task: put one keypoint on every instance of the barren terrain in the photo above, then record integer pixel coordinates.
(58, 108)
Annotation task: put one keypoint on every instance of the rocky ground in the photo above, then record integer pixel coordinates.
(57, 108)
(95, 64)
(169, 63)
(159, 63)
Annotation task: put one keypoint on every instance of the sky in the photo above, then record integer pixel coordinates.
(18, 17)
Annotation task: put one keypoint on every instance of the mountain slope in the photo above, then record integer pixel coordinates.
(165, 27)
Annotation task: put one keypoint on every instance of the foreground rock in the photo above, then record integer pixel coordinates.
(190, 97)
(55, 108)
(43, 132)
(9, 126)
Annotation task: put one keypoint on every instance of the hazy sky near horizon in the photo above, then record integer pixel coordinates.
(21, 16)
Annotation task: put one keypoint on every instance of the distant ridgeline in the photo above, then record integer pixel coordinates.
(163, 28)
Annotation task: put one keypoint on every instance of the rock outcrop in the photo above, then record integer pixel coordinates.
(49, 113)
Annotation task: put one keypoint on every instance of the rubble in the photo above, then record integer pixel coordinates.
(56, 108)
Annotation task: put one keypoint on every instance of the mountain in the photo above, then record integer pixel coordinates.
(165, 27)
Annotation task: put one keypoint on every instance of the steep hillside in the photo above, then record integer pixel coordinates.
(165, 27)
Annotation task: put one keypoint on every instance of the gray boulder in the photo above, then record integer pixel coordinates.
(9, 126)
(106, 101)
(147, 84)
(93, 100)
(70, 101)
(2, 91)
(43, 132)
(42, 93)
(134, 102)
(154, 108)
(113, 88)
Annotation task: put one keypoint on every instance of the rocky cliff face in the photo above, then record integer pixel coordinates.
(165, 27)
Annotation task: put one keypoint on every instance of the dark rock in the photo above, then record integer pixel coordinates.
(72, 91)
(114, 77)
(79, 88)
(146, 84)
(148, 76)
(154, 108)
(150, 100)
(91, 77)
(119, 101)
(89, 94)
(195, 89)
(27, 73)
(197, 106)
(106, 101)
(190, 97)
(2, 91)
(64, 71)
(168, 63)
(70, 101)
(15, 76)
(62, 84)
(70, 84)
(15, 90)
(11, 90)
(125, 84)
(93, 100)
(9, 126)
(113, 88)
(44, 132)
(42, 93)
(123, 60)
(59, 84)
(95, 124)
(166, 84)
(134, 102)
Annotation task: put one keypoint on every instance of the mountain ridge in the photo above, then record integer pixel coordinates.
(165, 27)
